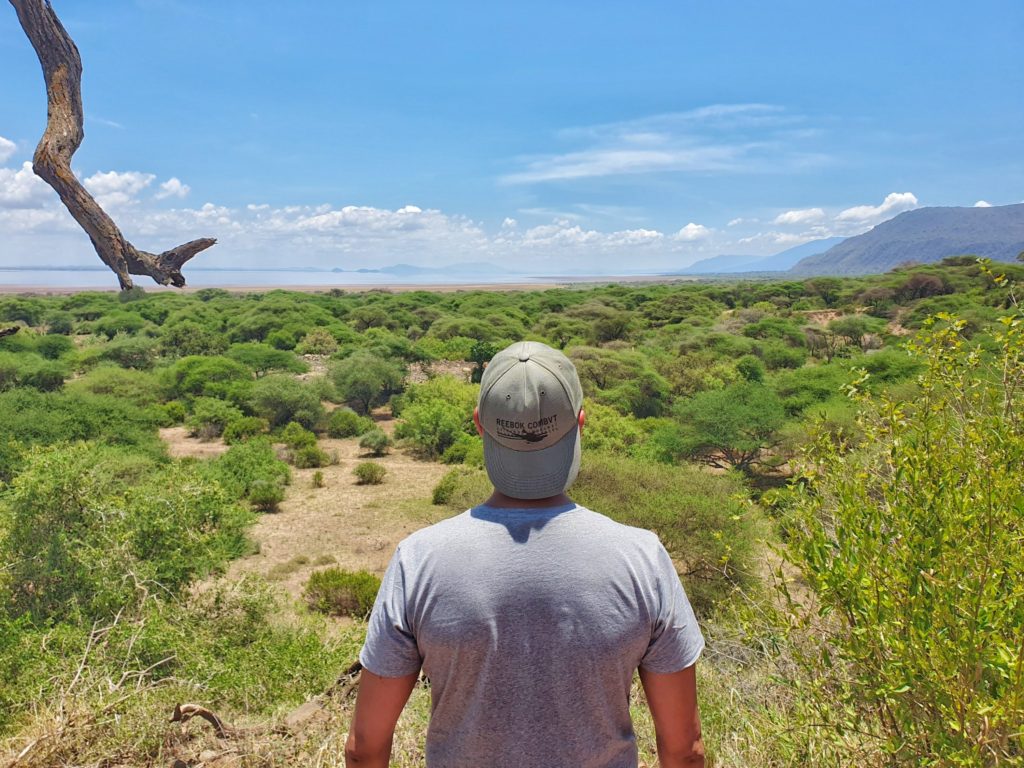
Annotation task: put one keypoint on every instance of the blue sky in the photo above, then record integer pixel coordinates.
(558, 137)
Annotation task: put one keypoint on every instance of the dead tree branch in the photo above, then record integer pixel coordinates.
(9, 331)
(62, 70)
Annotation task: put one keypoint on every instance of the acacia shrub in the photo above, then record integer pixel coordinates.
(29, 417)
(280, 398)
(242, 429)
(195, 376)
(369, 473)
(247, 463)
(435, 414)
(911, 547)
(375, 442)
(263, 358)
(338, 592)
(344, 422)
(731, 427)
(139, 387)
(365, 380)
(80, 517)
(210, 417)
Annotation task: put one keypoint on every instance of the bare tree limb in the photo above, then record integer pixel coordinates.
(62, 70)
(9, 331)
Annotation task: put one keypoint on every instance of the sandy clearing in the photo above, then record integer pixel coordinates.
(180, 445)
(344, 524)
(353, 526)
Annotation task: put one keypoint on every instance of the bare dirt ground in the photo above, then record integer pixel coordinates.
(353, 526)
(180, 445)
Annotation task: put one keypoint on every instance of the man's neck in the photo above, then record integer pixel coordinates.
(499, 499)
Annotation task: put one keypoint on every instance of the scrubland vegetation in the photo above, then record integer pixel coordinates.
(834, 464)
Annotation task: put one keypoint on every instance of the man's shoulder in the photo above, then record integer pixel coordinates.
(601, 521)
(468, 524)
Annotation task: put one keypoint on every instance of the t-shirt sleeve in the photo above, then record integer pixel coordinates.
(676, 640)
(390, 649)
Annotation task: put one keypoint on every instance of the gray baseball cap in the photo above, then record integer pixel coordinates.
(530, 400)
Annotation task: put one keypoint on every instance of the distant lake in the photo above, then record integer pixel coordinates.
(198, 278)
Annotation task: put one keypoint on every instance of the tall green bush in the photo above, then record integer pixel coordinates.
(911, 546)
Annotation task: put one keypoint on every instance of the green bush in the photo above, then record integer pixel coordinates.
(242, 465)
(33, 418)
(369, 473)
(703, 520)
(318, 479)
(344, 422)
(750, 368)
(210, 417)
(731, 427)
(173, 412)
(60, 323)
(280, 399)
(244, 428)
(79, 517)
(436, 414)
(265, 495)
(54, 347)
(206, 376)
(338, 592)
(137, 387)
(318, 341)
(263, 358)
(375, 442)
(911, 547)
(130, 352)
(467, 449)
(46, 376)
(607, 429)
(296, 436)
(309, 456)
(365, 380)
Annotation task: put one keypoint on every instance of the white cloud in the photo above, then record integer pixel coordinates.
(21, 188)
(692, 232)
(620, 161)
(983, 204)
(173, 188)
(7, 149)
(801, 216)
(720, 138)
(635, 237)
(115, 189)
(894, 203)
(509, 223)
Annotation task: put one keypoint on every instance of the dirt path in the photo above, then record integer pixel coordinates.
(353, 526)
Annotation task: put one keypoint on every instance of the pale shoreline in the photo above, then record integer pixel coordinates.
(539, 285)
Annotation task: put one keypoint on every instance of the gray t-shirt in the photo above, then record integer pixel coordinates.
(530, 625)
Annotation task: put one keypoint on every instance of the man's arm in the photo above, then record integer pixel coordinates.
(673, 702)
(378, 705)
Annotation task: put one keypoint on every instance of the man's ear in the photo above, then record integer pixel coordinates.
(582, 420)
(476, 420)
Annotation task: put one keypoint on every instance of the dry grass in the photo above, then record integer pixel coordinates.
(358, 526)
(181, 446)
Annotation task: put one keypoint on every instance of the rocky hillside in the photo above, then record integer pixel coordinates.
(924, 235)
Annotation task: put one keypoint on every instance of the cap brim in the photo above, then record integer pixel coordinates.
(533, 474)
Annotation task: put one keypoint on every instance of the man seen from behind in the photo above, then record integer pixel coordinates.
(530, 614)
